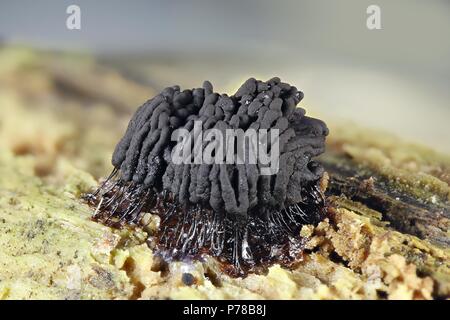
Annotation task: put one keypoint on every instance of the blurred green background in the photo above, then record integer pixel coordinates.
(396, 79)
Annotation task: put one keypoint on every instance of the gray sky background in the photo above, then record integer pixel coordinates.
(397, 78)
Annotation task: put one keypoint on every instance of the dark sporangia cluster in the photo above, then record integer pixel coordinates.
(231, 211)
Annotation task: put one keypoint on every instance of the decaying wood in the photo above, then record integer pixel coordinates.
(384, 238)
(403, 212)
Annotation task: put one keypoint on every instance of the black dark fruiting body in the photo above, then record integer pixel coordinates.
(247, 220)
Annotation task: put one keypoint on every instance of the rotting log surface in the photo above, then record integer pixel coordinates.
(386, 235)
(404, 213)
